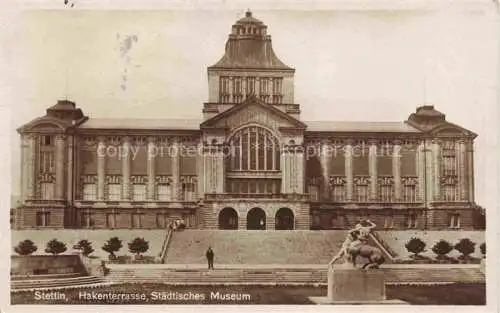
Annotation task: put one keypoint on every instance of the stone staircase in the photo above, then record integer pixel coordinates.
(400, 275)
(255, 247)
(59, 283)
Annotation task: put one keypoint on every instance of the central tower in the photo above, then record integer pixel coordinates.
(248, 68)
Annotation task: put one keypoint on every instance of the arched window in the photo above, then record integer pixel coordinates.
(254, 149)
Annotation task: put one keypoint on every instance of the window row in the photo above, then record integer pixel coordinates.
(243, 87)
(134, 220)
(164, 192)
(254, 186)
(338, 193)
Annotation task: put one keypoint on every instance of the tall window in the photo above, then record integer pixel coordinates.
(449, 162)
(47, 191)
(338, 189)
(42, 218)
(188, 191)
(277, 89)
(313, 188)
(389, 220)
(254, 149)
(136, 220)
(114, 192)
(86, 219)
(89, 192)
(111, 220)
(138, 192)
(164, 192)
(224, 92)
(237, 89)
(250, 86)
(47, 161)
(385, 189)
(46, 140)
(411, 220)
(454, 220)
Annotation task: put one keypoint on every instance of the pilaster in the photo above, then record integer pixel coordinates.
(396, 170)
(462, 180)
(101, 167)
(436, 157)
(60, 145)
(151, 168)
(372, 167)
(349, 171)
(176, 168)
(126, 168)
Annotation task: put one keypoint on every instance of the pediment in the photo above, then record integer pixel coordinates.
(45, 124)
(451, 130)
(253, 111)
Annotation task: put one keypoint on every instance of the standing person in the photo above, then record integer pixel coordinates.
(210, 258)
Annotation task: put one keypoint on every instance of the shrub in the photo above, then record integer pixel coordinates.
(85, 247)
(25, 247)
(483, 248)
(466, 247)
(138, 246)
(112, 245)
(442, 248)
(55, 247)
(415, 246)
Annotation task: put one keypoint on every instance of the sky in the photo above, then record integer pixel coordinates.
(355, 65)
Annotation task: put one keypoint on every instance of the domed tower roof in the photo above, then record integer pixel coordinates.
(249, 47)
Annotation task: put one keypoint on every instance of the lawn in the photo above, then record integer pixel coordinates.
(162, 294)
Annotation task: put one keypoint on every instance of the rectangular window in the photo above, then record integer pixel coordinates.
(164, 192)
(86, 219)
(47, 140)
(410, 193)
(454, 220)
(111, 220)
(188, 191)
(47, 191)
(389, 221)
(411, 220)
(138, 192)
(114, 192)
(89, 192)
(314, 192)
(42, 219)
(224, 92)
(450, 192)
(362, 193)
(386, 191)
(237, 89)
(250, 86)
(338, 193)
(47, 164)
(136, 220)
(161, 220)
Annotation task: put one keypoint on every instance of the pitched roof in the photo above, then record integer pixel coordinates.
(141, 123)
(344, 126)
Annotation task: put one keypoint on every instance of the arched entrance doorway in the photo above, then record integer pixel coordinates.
(228, 219)
(284, 219)
(256, 219)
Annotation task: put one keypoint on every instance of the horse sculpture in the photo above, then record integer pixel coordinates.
(356, 245)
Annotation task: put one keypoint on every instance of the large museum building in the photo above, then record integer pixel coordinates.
(249, 163)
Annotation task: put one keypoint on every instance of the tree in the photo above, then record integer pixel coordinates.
(415, 246)
(25, 247)
(112, 245)
(55, 247)
(442, 248)
(466, 247)
(483, 248)
(138, 246)
(85, 246)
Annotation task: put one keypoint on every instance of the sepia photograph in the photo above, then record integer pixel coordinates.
(254, 156)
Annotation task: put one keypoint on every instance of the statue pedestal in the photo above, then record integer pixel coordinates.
(354, 284)
(349, 285)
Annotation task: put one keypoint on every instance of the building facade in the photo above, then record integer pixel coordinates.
(250, 163)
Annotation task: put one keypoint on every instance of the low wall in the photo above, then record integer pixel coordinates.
(46, 264)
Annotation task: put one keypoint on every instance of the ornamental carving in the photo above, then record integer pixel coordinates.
(89, 141)
(113, 179)
(88, 179)
(138, 179)
(337, 180)
(409, 180)
(188, 179)
(114, 140)
(139, 141)
(46, 177)
(163, 180)
(362, 180)
(385, 181)
(449, 180)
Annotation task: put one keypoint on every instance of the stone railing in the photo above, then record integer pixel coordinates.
(229, 196)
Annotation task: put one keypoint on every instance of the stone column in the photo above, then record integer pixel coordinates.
(60, 145)
(284, 170)
(220, 168)
(300, 171)
(101, 167)
(231, 93)
(462, 178)
(436, 157)
(396, 170)
(470, 170)
(28, 166)
(429, 171)
(125, 154)
(325, 158)
(151, 168)
(420, 160)
(349, 171)
(71, 170)
(257, 87)
(372, 168)
(176, 169)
